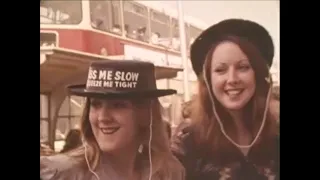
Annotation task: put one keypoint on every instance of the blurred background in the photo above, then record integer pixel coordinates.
(75, 33)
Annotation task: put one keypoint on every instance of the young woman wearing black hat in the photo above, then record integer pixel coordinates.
(123, 133)
(233, 134)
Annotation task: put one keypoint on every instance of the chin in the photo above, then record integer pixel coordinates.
(107, 147)
(234, 107)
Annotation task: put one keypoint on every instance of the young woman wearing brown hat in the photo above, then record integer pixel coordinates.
(233, 134)
(124, 136)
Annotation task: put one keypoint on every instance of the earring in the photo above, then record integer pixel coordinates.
(268, 79)
(140, 149)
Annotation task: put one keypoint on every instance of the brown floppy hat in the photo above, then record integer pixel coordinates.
(249, 30)
(120, 79)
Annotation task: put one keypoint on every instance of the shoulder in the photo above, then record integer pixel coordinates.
(184, 147)
(169, 169)
(57, 166)
(275, 142)
(178, 174)
(182, 138)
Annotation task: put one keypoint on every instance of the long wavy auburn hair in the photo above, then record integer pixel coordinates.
(165, 166)
(207, 130)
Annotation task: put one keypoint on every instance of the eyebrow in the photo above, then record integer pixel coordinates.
(243, 60)
(239, 61)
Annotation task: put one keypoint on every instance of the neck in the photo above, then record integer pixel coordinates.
(237, 116)
(121, 161)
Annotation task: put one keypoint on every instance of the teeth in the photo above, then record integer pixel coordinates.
(109, 130)
(234, 92)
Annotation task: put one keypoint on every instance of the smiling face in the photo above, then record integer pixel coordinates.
(113, 124)
(232, 77)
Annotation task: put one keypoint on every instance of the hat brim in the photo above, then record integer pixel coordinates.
(80, 90)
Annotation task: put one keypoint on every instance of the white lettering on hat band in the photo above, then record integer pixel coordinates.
(112, 79)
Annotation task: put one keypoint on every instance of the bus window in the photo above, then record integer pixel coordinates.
(62, 128)
(76, 109)
(48, 39)
(136, 20)
(187, 30)
(63, 124)
(60, 12)
(175, 43)
(194, 33)
(44, 118)
(160, 28)
(69, 118)
(44, 130)
(105, 16)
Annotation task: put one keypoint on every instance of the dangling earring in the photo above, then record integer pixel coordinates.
(140, 149)
(268, 79)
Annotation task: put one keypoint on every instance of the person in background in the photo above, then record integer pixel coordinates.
(124, 135)
(116, 29)
(154, 39)
(73, 140)
(233, 132)
(168, 129)
(185, 117)
(45, 150)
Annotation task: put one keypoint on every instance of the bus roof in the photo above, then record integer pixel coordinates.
(173, 12)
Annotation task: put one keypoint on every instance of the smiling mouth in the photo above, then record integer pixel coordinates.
(109, 130)
(234, 92)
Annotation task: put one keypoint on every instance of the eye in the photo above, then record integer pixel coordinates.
(244, 67)
(220, 69)
(120, 105)
(95, 103)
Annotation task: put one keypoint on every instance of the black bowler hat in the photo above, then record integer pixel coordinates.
(249, 30)
(120, 79)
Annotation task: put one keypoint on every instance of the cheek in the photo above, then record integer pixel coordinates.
(94, 123)
(217, 85)
(128, 121)
(252, 88)
(132, 130)
(143, 117)
(250, 82)
(93, 117)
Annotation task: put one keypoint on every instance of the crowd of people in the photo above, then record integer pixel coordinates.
(230, 128)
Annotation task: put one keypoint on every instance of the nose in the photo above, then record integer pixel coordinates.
(105, 114)
(233, 77)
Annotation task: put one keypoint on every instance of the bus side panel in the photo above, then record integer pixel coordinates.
(70, 38)
(97, 41)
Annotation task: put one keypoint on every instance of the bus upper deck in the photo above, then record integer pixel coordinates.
(143, 21)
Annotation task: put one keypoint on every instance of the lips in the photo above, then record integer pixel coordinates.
(109, 130)
(234, 92)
